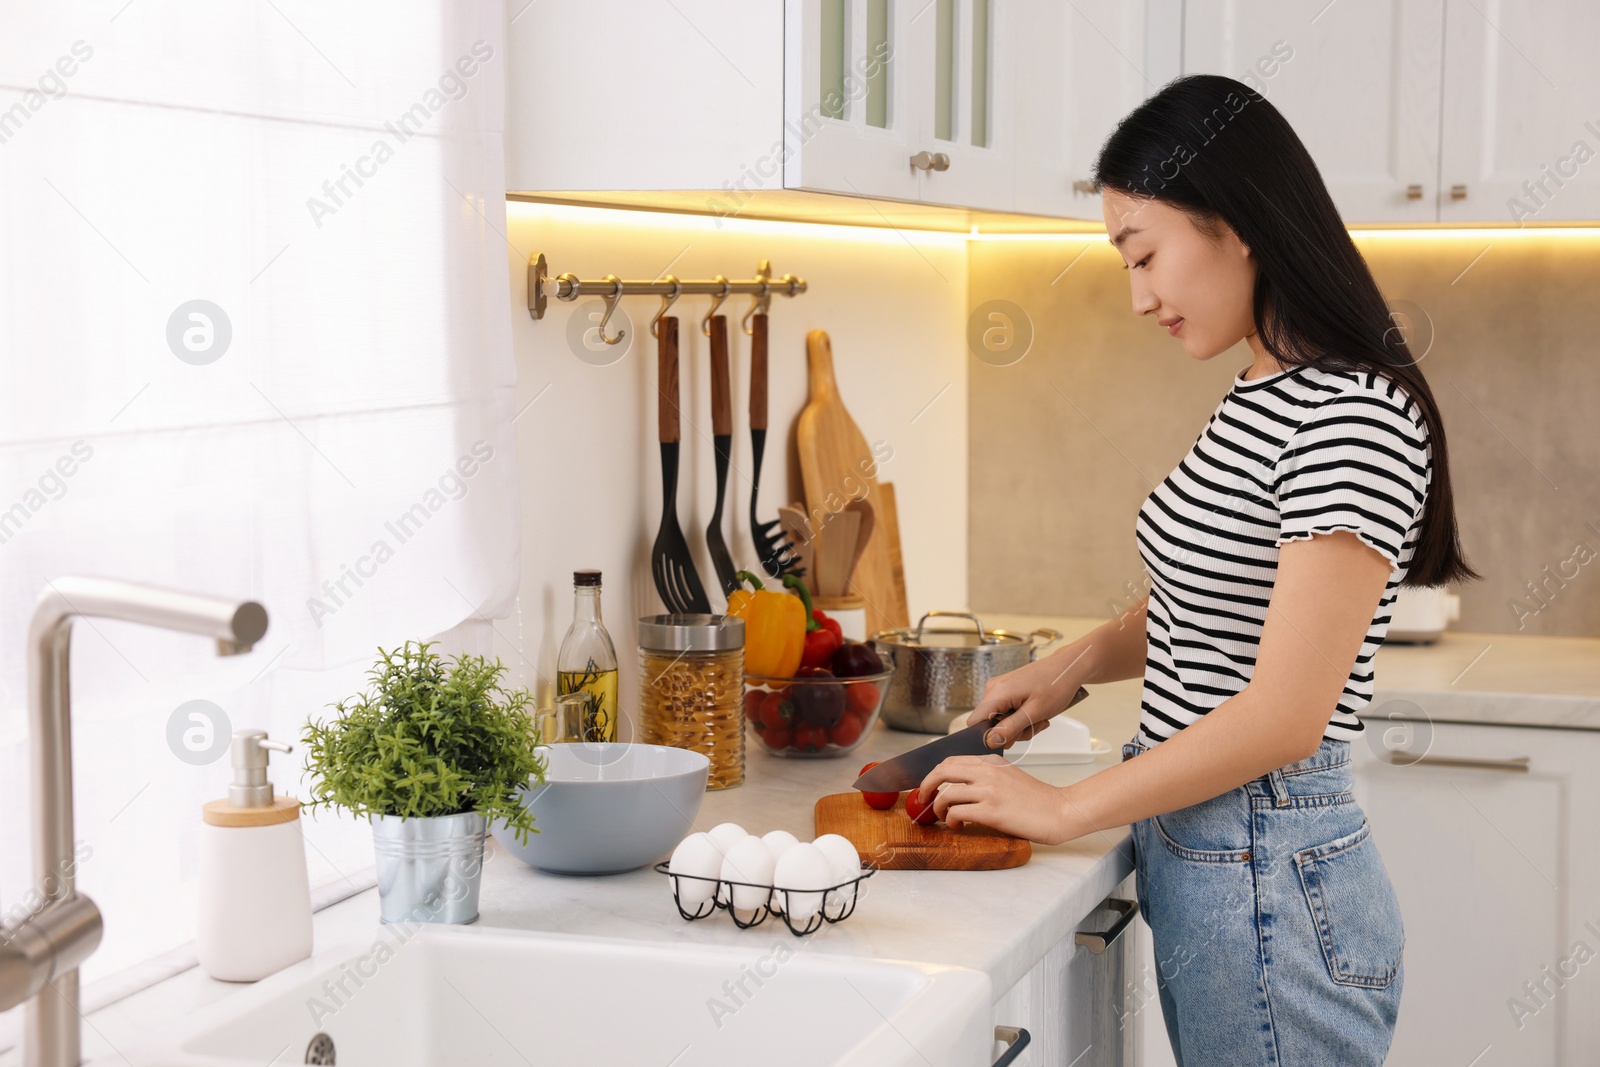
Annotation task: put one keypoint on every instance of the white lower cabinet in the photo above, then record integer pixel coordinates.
(1489, 834)
(1492, 842)
(1074, 1002)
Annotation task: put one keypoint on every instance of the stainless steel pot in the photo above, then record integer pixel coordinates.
(940, 674)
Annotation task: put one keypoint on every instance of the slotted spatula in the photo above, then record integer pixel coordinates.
(677, 581)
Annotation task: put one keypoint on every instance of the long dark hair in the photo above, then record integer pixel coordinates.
(1218, 150)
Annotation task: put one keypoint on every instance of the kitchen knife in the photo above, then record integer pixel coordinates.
(907, 770)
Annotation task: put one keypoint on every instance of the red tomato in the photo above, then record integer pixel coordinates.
(809, 737)
(776, 737)
(775, 715)
(752, 705)
(920, 812)
(862, 697)
(878, 801)
(847, 731)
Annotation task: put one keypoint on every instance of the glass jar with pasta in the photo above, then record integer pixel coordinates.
(691, 689)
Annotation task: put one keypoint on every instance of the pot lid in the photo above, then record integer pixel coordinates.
(975, 638)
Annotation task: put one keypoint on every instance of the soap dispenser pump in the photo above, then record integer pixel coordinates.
(255, 897)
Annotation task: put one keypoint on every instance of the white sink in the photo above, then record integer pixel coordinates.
(429, 996)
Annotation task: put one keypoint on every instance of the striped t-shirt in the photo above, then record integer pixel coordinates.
(1284, 456)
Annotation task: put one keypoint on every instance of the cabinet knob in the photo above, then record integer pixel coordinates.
(1084, 187)
(1458, 192)
(930, 161)
(1414, 192)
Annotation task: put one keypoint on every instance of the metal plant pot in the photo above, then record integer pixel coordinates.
(429, 869)
(940, 674)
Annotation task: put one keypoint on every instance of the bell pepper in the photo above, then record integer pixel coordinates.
(774, 628)
(823, 636)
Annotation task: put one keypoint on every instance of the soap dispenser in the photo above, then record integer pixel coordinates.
(255, 897)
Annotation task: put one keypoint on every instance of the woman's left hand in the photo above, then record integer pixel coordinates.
(992, 792)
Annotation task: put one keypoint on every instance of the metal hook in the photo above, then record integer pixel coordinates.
(611, 306)
(666, 302)
(760, 304)
(763, 301)
(705, 323)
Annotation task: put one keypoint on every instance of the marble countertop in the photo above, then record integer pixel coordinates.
(999, 922)
(1485, 678)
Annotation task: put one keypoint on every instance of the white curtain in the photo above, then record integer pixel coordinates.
(255, 342)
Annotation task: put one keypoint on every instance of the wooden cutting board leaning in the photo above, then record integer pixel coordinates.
(838, 465)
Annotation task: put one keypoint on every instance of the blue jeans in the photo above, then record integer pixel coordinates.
(1277, 933)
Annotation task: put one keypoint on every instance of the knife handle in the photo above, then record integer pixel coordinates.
(1076, 698)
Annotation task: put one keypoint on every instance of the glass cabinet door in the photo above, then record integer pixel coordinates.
(851, 116)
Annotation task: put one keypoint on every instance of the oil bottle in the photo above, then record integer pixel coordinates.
(587, 661)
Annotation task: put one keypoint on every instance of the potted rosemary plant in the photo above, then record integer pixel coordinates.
(430, 754)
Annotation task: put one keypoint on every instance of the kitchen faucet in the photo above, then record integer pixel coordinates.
(40, 952)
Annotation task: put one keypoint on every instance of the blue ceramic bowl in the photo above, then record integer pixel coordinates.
(609, 807)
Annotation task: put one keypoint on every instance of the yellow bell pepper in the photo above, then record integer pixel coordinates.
(774, 628)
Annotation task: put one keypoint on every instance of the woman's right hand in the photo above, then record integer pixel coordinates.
(1037, 692)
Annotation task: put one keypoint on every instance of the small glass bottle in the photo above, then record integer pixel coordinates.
(588, 660)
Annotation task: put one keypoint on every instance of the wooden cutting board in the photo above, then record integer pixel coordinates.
(888, 520)
(889, 839)
(837, 465)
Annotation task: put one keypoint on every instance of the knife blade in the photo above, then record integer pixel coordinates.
(907, 770)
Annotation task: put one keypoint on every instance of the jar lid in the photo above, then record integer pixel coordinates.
(691, 633)
(585, 577)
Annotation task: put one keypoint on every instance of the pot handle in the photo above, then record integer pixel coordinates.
(983, 635)
(1049, 636)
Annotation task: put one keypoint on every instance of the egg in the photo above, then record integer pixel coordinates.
(727, 834)
(803, 867)
(696, 857)
(842, 857)
(778, 842)
(749, 861)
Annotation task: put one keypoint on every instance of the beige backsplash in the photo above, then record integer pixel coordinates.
(1065, 444)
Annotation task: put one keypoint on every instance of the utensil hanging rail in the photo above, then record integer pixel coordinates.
(542, 287)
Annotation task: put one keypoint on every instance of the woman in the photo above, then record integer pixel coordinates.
(1318, 486)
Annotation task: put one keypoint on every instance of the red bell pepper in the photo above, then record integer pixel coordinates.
(824, 636)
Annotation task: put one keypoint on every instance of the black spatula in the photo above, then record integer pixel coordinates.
(722, 442)
(677, 581)
(776, 554)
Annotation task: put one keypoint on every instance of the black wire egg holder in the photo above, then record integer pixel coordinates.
(813, 922)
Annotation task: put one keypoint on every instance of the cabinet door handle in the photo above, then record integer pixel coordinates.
(1414, 192)
(1510, 763)
(1098, 942)
(1458, 192)
(930, 161)
(1016, 1039)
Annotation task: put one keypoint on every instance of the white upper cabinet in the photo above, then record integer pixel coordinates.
(1414, 110)
(644, 95)
(1358, 80)
(1425, 110)
(1521, 112)
(1081, 68)
(852, 117)
(905, 99)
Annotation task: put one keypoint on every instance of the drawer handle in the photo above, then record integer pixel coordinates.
(1016, 1039)
(1098, 942)
(1510, 763)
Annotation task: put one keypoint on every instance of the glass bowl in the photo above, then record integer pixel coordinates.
(813, 718)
